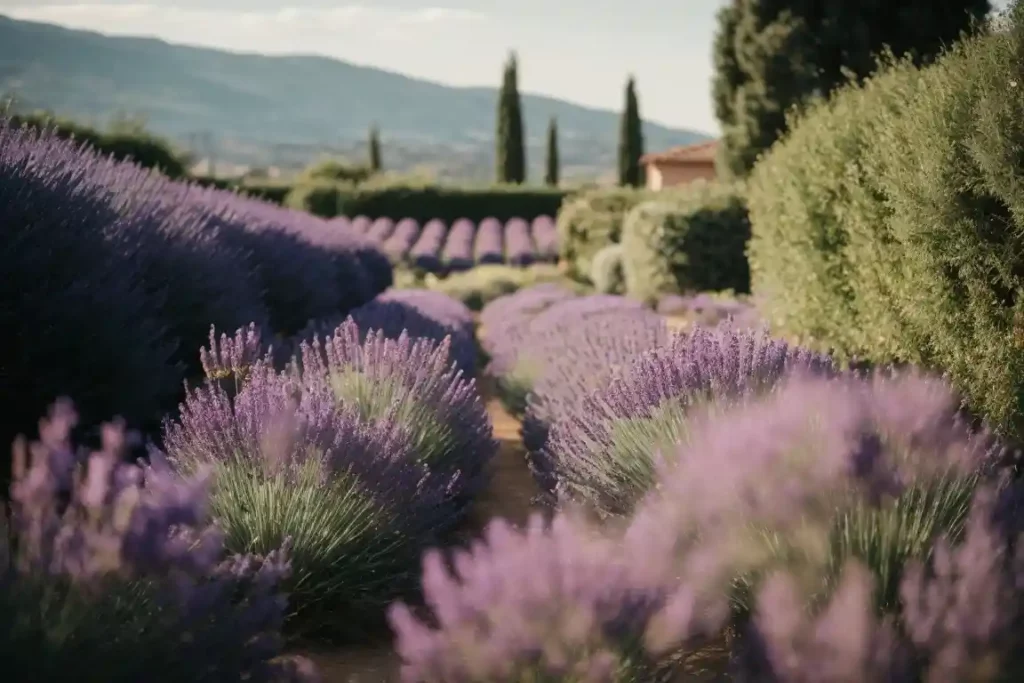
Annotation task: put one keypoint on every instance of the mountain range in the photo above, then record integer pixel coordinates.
(286, 110)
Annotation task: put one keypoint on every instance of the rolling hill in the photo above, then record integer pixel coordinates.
(260, 109)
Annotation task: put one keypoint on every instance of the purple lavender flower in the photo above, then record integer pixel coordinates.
(601, 453)
(405, 234)
(360, 225)
(489, 247)
(426, 253)
(558, 603)
(594, 350)
(380, 230)
(545, 237)
(67, 252)
(458, 249)
(518, 242)
(109, 572)
(411, 381)
(503, 321)
(348, 489)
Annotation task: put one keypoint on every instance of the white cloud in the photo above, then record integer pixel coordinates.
(287, 29)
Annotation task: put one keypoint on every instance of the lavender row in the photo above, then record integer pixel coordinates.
(137, 267)
(834, 529)
(461, 245)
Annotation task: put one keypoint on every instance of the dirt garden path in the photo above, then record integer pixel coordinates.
(509, 495)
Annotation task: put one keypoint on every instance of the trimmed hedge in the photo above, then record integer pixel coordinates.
(606, 270)
(275, 192)
(428, 202)
(889, 223)
(695, 240)
(319, 198)
(591, 220)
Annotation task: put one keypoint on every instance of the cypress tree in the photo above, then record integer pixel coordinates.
(510, 156)
(771, 56)
(551, 172)
(631, 139)
(375, 163)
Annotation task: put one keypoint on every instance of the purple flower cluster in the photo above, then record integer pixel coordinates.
(519, 249)
(405, 234)
(110, 572)
(815, 499)
(175, 257)
(363, 451)
(503, 321)
(545, 238)
(489, 246)
(601, 453)
(423, 313)
(426, 253)
(463, 244)
(458, 248)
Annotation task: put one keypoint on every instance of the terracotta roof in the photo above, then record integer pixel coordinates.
(701, 153)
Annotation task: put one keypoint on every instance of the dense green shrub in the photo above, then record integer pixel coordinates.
(318, 197)
(337, 171)
(272, 191)
(591, 220)
(145, 149)
(694, 241)
(606, 270)
(426, 202)
(888, 223)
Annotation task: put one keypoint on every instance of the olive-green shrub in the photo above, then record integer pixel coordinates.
(889, 223)
(606, 270)
(694, 240)
(591, 220)
(318, 197)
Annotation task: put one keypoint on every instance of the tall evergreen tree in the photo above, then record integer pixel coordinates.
(510, 154)
(551, 166)
(771, 56)
(374, 144)
(631, 139)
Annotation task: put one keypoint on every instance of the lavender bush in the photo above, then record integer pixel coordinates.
(488, 247)
(572, 364)
(601, 454)
(380, 229)
(426, 314)
(426, 253)
(458, 248)
(362, 453)
(67, 253)
(109, 573)
(516, 370)
(545, 237)
(503, 321)
(360, 225)
(828, 490)
(406, 232)
(518, 244)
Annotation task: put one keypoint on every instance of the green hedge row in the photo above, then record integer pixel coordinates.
(592, 220)
(424, 202)
(693, 240)
(889, 223)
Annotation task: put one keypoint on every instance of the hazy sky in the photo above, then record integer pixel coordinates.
(578, 50)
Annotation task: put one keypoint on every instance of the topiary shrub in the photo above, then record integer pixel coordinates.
(591, 220)
(885, 224)
(316, 196)
(606, 270)
(695, 241)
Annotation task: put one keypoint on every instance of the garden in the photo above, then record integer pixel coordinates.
(762, 430)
